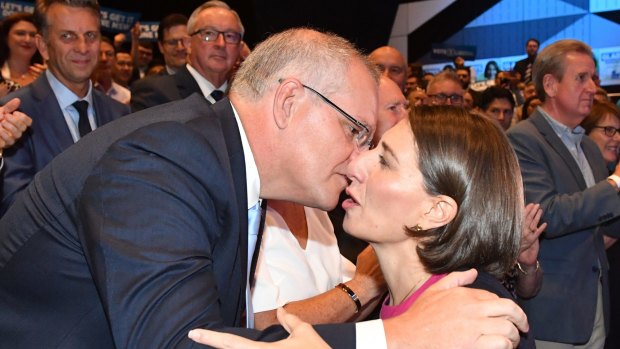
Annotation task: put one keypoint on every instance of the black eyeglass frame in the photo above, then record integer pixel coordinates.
(363, 138)
(204, 37)
(442, 97)
(609, 131)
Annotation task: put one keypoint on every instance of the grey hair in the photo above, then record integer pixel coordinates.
(319, 60)
(551, 60)
(191, 23)
(42, 7)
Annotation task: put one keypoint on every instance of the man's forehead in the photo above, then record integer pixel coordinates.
(218, 18)
(446, 86)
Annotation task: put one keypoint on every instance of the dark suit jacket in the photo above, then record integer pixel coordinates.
(48, 136)
(572, 245)
(156, 90)
(521, 66)
(155, 243)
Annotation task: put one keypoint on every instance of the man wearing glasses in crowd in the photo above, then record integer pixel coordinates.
(445, 89)
(171, 36)
(214, 42)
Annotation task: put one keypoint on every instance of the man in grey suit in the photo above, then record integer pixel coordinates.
(215, 42)
(565, 172)
(62, 102)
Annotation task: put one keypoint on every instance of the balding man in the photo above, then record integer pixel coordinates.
(215, 42)
(391, 63)
(393, 107)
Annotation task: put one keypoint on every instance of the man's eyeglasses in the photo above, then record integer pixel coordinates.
(610, 131)
(442, 98)
(359, 131)
(212, 35)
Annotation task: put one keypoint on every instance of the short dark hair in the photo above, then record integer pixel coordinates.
(5, 27)
(42, 6)
(468, 158)
(492, 93)
(532, 39)
(168, 22)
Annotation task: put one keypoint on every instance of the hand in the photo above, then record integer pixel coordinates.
(368, 277)
(531, 231)
(36, 69)
(135, 32)
(12, 123)
(448, 316)
(302, 336)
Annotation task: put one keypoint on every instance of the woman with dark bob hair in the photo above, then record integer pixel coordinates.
(441, 192)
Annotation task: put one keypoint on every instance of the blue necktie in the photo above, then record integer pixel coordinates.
(217, 95)
(83, 123)
(254, 219)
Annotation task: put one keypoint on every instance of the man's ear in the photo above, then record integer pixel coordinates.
(550, 84)
(284, 102)
(42, 47)
(442, 211)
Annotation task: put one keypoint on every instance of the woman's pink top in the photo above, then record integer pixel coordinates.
(388, 311)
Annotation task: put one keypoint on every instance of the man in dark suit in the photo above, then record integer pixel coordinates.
(69, 42)
(140, 232)
(565, 172)
(215, 43)
(524, 66)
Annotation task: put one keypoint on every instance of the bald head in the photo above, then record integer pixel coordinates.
(393, 107)
(391, 63)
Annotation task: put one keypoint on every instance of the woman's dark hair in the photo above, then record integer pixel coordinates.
(526, 105)
(468, 158)
(5, 28)
(598, 112)
(487, 68)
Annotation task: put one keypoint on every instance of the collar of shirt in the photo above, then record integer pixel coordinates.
(564, 132)
(66, 98)
(206, 87)
(251, 171)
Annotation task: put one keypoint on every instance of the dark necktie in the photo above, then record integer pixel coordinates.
(83, 123)
(217, 95)
(528, 73)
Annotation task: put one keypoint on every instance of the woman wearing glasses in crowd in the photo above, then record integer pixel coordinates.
(433, 197)
(20, 63)
(602, 125)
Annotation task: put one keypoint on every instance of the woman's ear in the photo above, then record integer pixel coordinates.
(442, 212)
(284, 103)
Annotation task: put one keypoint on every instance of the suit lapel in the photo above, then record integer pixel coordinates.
(186, 84)
(556, 143)
(58, 135)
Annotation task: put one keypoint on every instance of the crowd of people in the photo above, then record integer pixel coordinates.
(304, 193)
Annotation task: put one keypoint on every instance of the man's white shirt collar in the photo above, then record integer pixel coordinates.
(251, 171)
(206, 87)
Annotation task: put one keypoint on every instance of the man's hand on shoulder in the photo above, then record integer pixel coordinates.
(450, 316)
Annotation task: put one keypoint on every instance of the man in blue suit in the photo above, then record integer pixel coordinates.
(140, 232)
(565, 172)
(69, 42)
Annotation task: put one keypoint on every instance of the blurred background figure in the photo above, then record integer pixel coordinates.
(171, 36)
(445, 89)
(393, 107)
(391, 63)
(102, 75)
(530, 105)
(123, 68)
(20, 62)
(490, 70)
